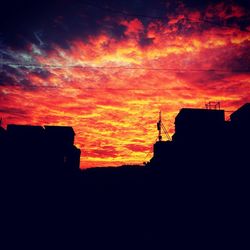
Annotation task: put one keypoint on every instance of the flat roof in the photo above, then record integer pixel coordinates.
(194, 114)
(59, 129)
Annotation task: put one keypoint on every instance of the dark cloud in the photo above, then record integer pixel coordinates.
(202, 5)
(25, 82)
(12, 71)
(42, 73)
(144, 41)
(22, 18)
(27, 85)
(116, 30)
(6, 79)
(203, 79)
(51, 22)
(10, 76)
(59, 21)
(13, 111)
(237, 58)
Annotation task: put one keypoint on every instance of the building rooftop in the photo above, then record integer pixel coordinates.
(242, 112)
(200, 115)
(24, 129)
(59, 130)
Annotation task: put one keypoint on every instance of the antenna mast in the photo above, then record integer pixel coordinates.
(213, 105)
(159, 127)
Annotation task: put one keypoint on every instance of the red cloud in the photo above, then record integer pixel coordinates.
(137, 148)
(224, 11)
(134, 26)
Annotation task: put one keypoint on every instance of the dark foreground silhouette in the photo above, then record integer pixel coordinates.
(193, 194)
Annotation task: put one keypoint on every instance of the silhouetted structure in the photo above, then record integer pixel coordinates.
(198, 126)
(60, 145)
(193, 193)
(37, 149)
(202, 136)
(240, 122)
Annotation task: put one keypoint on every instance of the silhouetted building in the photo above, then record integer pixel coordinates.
(60, 144)
(164, 152)
(203, 136)
(240, 121)
(37, 148)
(240, 135)
(2, 140)
(2, 134)
(198, 125)
(25, 135)
(60, 136)
(241, 115)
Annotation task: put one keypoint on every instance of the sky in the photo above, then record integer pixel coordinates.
(107, 68)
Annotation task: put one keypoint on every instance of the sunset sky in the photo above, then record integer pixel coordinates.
(107, 68)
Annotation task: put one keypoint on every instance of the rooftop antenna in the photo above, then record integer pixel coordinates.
(213, 105)
(160, 126)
